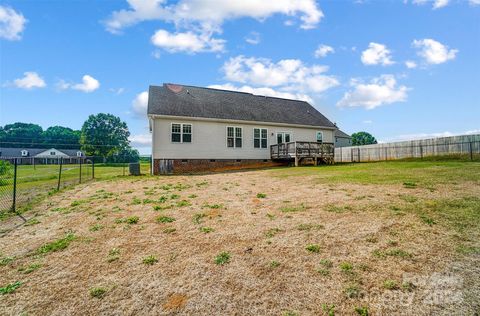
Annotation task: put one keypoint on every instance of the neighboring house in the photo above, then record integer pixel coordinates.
(342, 139)
(41, 155)
(195, 128)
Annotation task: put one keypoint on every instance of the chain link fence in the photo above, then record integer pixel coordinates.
(22, 180)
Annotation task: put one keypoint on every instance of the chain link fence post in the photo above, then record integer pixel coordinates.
(59, 174)
(14, 201)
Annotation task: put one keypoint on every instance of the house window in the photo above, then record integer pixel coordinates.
(176, 133)
(260, 137)
(79, 154)
(234, 137)
(283, 137)
(52, 153)
(319, 137)
(181, 133)
(24, 153)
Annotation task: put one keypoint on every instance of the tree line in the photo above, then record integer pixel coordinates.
(103, 135)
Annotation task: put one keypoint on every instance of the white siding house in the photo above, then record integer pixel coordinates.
(197, 128)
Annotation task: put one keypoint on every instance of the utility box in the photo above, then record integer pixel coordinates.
(134, 168)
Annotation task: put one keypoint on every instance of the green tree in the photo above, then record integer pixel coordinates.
(104, 135)
(363, 138)
(125, 155)
(61, 137)
(18, 134)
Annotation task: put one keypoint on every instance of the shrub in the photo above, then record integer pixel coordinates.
(261, 195)
(362, 311)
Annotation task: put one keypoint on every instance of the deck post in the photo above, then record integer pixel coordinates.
(296, 161)
(316, 161)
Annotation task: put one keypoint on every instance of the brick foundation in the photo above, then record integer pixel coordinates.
(179, 166)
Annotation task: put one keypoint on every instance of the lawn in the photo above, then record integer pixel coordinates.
(34, 182)
(378, 238)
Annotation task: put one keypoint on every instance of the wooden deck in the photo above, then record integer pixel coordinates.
(296, 151)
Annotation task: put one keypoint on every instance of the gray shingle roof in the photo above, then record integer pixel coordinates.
(339, 133)
(32, 152)
(190, 101)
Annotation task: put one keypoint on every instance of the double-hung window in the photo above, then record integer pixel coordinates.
(234, 137)
(319, 137)
(181, 133)
(260, 138)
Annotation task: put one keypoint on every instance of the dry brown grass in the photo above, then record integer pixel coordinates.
(186, 280)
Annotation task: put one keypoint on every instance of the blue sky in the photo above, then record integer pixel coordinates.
(398, 69)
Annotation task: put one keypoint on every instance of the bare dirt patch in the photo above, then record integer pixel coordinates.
(366, 235)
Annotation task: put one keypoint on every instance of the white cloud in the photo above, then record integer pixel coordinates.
(410, 64)
(140, 104)
(381, 90)
(253, 38)
(117, 91)
(196, 21)
(287, 74)
(376, 54)
(474, 2)
(212, 13)
(30, 80)
(323, 50)
(88, 84)
(12, 23)
(436, 4)
(140, 140)
(266, 91)
(187, 42)
(434, 52)
(367, 122)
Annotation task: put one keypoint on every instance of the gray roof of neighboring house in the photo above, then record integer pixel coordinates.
(32, 152)
(339, 133)
(190, 101)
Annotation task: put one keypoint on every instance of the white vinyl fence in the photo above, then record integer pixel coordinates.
(466, 145)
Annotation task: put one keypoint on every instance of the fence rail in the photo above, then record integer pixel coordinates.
(467, 146)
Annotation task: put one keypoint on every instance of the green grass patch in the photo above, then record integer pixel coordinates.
(206, 230)
(10, 288)
(97, 292)
(222, 258)
(165, 219)
(30, 268)
(313, 248)
(293, 208)
(150, 260)
(57, 245)
(261, 195)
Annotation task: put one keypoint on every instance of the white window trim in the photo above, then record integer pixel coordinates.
(285, 132)
(79, 154)
(234, 136)
(181, 133)
(316, 138)
(24, 153)
(52, 153)
(253, 137)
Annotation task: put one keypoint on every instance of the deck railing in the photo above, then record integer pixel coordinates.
(301, 149)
